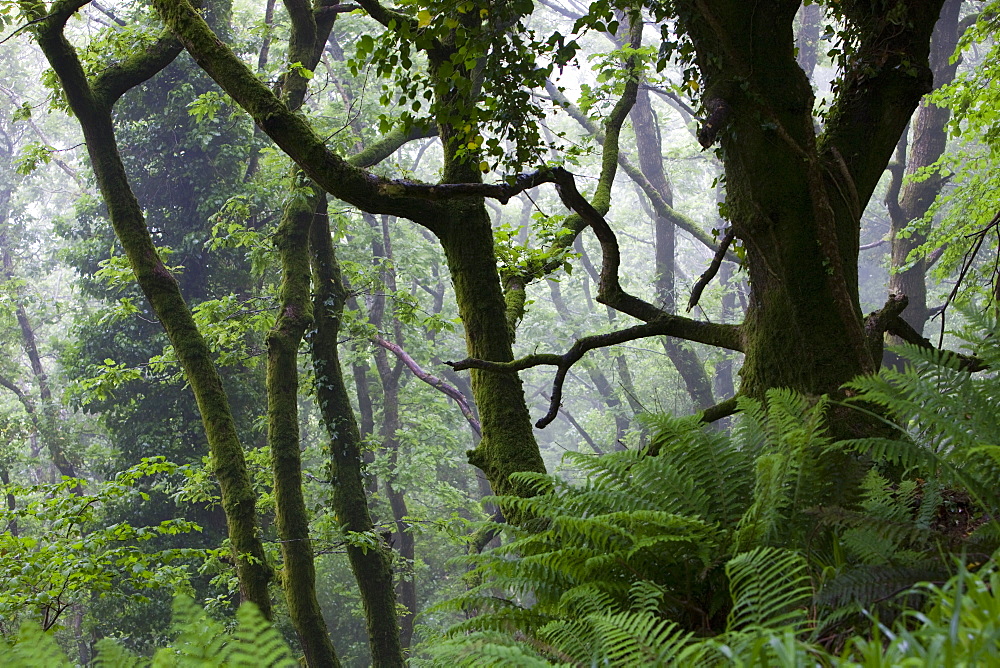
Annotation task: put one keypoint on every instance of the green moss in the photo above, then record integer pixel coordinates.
(372, 567)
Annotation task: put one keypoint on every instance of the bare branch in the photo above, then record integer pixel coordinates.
(887, 319)
(713, 268)
(433, 381)
(659, 204)
(668, 325)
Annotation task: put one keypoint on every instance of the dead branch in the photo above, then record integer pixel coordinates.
(713, 268)
(433, 381)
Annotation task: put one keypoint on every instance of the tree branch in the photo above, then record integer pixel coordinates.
(659, 204)
(719, 410)
(887, 319)
(291, 131)
(433, 381)
(387, 16)
(669, 326)
(140, 66)
(713, 268)
(381, 149)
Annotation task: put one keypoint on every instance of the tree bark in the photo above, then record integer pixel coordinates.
(91, 102)
(283, 341)
(372, 565)
(389, 376)
(795, 199)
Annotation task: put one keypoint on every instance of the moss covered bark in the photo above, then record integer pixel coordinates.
(291, 517)
(91, 102)
(372, 566)
(306, 204)
(796, 199)
(508, 444)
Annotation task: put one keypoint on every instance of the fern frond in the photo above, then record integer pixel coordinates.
(33, 648)
(868, 584)
(625, 639)
(770, 587)
(721, 473)
(256, 643)
(109, 654)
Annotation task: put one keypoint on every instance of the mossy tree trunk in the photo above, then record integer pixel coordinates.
(795, 199)
(91, 102)
(305, 206)
(462, 225)
(508, 444)
(283, 341)
(371, 563)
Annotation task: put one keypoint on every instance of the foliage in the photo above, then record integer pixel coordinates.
(739, 537)
(58, 550)
(199, 640)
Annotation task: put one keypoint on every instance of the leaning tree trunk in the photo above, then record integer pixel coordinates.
(91, 102)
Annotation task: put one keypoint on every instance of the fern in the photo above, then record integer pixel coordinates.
(200, 641)
(763, 537)
(770, 588)
(33, 648)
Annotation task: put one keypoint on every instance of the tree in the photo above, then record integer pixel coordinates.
(91, 99)
(794, 194)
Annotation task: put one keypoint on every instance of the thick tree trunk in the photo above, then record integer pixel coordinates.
(372, 566)
(508, 442)
(796, 200)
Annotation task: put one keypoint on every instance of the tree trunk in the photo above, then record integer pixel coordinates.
(389, 375)
(371, 564)
(46, 420)
(794, 199)
(508, 444)
(291, 517)
(91, 102)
